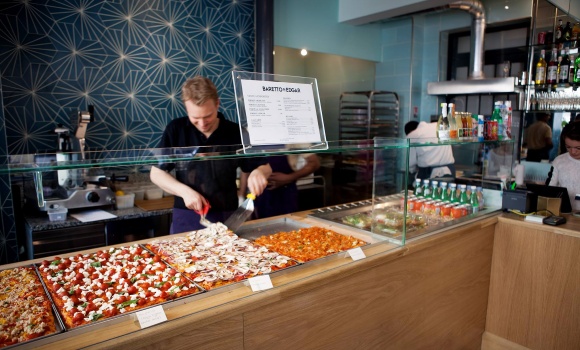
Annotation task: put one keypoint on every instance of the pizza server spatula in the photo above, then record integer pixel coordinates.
(241, 214)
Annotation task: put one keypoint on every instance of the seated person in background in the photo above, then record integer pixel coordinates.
(429, 161)
(281, 195)
(567, 166)
(539, 139)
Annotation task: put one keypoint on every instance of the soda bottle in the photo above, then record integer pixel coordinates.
(480, 197)
(418, 188)
(443, 124)
(444, 191)
(453, 193)
(426, 189)
(474, 200)
(435, 190)
(463, 194)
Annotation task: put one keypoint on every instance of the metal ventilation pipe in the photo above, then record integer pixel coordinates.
(477, 11)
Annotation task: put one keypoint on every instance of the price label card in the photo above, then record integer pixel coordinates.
(152, 316)
(356, 253)
(259, 283)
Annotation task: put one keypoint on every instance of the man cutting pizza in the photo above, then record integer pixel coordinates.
(200, 185)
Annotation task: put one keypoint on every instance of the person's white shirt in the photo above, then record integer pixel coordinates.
(429, 156)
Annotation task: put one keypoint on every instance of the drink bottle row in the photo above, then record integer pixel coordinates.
(472, 127)
(563, 68)
(436, 198)
(567, 36)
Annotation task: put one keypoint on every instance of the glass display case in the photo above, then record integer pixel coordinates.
(388, 216)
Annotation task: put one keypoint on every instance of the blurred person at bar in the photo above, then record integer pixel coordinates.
(538, 139)
(566, 167)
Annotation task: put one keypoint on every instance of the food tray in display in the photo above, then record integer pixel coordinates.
(45, 339)
(223, 284)
(71, 331)
(253, 231)
(337, 214)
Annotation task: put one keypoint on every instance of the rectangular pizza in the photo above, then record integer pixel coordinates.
(91, 287)
(309, 243)
(216, 256)
(25, 310)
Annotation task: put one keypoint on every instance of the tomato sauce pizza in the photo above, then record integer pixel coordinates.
(309, 243)
(91, 287)
(25, 310)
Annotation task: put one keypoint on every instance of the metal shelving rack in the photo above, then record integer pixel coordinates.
(364, 115)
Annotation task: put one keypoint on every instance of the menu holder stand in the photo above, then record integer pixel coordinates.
(278, 113)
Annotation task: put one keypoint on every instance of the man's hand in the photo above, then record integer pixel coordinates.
(193, 200)
(258, 179)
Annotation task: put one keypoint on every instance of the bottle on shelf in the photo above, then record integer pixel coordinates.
(480, 128)
(577, 69)
(541, 68)
(575, 36)
(444, 191)
(459, 123)
(474, 200)
(418, 188)
(567, 34)
(463, 194)
(564, 67)
(559, 32)
(571, 69)
(507, 120)
(435, 190)
(552, 74)
(496, 122)
(443, 124)
(453, 195)
(480, 197)
(452, 123)
(426, 189)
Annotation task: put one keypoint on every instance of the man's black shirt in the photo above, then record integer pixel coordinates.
(213, 179)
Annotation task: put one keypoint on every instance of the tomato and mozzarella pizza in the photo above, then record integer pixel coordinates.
(25, 310)
(309, 243)
(95, 286)
(216, 256)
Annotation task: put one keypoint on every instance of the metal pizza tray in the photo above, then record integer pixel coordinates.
(45, 339)
(247, 235)
(253, 231)
(121, 317)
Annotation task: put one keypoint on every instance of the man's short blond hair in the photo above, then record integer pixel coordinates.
(199, 90)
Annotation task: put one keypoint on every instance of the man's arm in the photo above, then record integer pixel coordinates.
(280, 179)
(193, 200)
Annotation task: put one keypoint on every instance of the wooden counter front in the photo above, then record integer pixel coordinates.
(431, 293)
(534, 299)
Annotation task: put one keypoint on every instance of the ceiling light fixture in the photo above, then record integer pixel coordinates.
(303, 52)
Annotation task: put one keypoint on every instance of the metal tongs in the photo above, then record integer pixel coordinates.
(202, 213)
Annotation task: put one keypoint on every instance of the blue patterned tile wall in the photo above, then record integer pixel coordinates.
(128, 58)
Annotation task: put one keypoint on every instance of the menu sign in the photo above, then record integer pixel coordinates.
(280, 112)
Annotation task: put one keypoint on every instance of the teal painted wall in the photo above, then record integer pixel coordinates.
(313, 25)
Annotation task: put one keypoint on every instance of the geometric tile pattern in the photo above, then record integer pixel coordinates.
(128, 58)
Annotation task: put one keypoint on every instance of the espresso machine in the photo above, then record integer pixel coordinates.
(74, 188)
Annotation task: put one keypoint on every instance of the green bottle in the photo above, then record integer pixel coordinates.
(444, 193)
(426, 189)
(435, 190)
(474, 201)
(418, 189)
(453, 193)
(463, 194)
